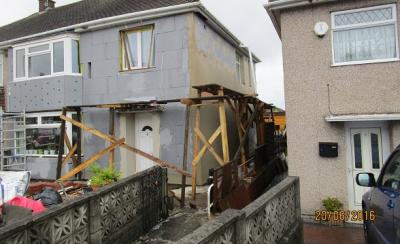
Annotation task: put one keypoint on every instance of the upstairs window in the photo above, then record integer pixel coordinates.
(239, 69)
(365, 35)
(51, 58)
(137, 48)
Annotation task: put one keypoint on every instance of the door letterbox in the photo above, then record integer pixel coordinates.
(328, 149)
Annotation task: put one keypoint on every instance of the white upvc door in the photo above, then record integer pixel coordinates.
(367, 156)
(144, 131)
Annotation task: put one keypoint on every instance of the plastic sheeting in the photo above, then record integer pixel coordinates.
(13, 183)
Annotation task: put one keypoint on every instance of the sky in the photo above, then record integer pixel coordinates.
(247, 19)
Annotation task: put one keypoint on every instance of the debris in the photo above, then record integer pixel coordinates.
(49, 197)
(14, 183)
(35, 206)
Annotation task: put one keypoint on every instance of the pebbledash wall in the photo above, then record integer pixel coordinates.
(275, 217)
(181, 43)
(354, 89)
(118, 213)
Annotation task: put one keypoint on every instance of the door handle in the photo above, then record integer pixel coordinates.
(390, 204)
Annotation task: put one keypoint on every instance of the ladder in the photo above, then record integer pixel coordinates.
(12, 141)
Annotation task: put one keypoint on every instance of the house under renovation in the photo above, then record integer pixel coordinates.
(91, 53)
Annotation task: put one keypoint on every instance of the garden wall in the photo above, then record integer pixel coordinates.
(118, 213)
(273, 218)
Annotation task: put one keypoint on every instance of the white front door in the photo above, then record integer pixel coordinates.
(367, 156)
(144, 140)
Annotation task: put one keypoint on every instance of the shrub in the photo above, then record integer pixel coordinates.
(102, 176)
(332, 204)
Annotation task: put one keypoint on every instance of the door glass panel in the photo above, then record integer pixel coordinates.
(357, 151)
(375, 151)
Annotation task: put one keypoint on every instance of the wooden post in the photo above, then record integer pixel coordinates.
(111, 131)
(240, 131)
(249, 122)
(195, 148)
(224, 129)
(185, 154)
(79, 139)
(61, 144)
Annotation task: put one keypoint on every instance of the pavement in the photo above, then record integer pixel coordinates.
(325, 234)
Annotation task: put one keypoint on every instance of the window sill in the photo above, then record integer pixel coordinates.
(47, 76)
(367, 62)
(46, 156)
(137, 70)
(41, 156)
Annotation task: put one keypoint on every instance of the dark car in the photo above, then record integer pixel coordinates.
(381, 204)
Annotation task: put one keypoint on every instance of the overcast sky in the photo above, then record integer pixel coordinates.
(247, 19)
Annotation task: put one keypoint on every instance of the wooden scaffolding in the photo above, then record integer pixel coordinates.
(247, 110)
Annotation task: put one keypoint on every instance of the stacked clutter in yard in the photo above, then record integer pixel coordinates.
(20, 197)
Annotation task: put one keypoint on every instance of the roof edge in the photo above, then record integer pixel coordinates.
(197, 7)
(274, 9)
(170, 10)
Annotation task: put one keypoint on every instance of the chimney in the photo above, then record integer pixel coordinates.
(46, 4)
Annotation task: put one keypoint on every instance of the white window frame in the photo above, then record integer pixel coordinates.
(67, 39)
(239, 62)
(364, 25)
(39, 125)
(139, 31)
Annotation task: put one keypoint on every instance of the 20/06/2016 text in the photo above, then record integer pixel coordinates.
(344, 215)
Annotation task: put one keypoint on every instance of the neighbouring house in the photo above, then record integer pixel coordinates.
(278, 116)
(118, 51)
(341, 75)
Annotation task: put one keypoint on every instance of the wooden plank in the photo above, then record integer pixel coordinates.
(203, 150)
(69, 146)
(111, 131)
(91, 160)
(156, 160)
(196, 148)
(70, 154)
(187, 101)
(79, 140)
(240, 133)
(185, 154)
(61, 144)
(224, 129)
(209, 147)
(124, 145)
(249, 122)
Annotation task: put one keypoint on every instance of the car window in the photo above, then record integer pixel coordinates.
(391, 175)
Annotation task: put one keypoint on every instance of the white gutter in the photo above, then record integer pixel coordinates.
(362, 117)
(140, 16)
(274, 8)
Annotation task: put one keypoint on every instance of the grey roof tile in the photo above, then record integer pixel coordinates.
(79, 12)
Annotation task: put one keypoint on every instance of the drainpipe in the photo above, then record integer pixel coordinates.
(253, 75)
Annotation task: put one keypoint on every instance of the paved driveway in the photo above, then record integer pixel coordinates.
(323, 234)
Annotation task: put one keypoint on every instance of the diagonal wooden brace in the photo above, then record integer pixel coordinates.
(203, 150)
(69, 155)
(209, 146)
(91, 160)
(124, 145)
(69, 146)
